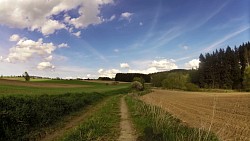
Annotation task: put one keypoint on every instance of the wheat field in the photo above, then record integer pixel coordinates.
(225, 114)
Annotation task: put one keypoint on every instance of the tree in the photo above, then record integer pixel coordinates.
(26, 76)
(246, 79)
(136, 85)
(175, 80)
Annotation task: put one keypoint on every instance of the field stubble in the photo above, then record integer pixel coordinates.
(226, 114)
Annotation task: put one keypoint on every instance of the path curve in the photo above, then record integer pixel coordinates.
(127, 131)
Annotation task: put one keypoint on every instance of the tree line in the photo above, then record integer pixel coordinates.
(129, 77)
(224, 68)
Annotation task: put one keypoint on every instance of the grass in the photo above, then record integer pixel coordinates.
(26, 109)
(88, 87)
(153, 123)
(103, 125)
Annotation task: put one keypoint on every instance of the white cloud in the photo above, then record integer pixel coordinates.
(49, 58)
(1, 58)
(14, 38)
(145, 71)
(126, 16)
(63, 45)
(141, 24)
(164, 64)
(38, 15)
(111, 18)
(26, 48)
(89, 13)
(108, 73)
(45, 65)
(77, 34)
(124, 65)
(51, 26)
(193, 64)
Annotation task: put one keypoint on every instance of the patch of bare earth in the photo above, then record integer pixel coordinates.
(127, 130)
(226, 114)
(39, 85)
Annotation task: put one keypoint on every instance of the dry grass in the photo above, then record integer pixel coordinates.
(226, 114)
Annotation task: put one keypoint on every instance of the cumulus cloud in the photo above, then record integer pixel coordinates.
(14, 38)
(108, 73)
(26, 48)
(38, 15)
(51, 26)
(45, 65)
(155, 66)
(126, 16)
(77, 34)
(124, 65)
(164, 64)
(63, 45)
(49, 58)
(193, 64)
(145, 71)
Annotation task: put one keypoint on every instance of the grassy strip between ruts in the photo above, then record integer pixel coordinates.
(153, 123)
(102, 125)
(22, 115)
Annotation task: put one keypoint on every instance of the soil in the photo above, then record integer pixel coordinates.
(39, 85)
(127, 130)
(225, 114)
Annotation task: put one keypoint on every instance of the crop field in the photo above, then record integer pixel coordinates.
(29, 109)
(40, 86)
(225, 114)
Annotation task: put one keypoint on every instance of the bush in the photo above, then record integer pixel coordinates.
(137, 86)
(191, 87)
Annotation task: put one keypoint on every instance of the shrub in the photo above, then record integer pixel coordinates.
(191, 87)
(136, 85)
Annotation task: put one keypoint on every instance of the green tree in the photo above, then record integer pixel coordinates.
(26, 76)
(141, 80)
(175, 81)
(246, 79)
(136, 85)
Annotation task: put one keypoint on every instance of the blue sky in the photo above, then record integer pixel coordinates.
(92, 38)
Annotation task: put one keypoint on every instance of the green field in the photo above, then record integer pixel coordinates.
(71, 86)
(29, 108)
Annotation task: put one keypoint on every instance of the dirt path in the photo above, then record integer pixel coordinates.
(74, 122)
(127, 131)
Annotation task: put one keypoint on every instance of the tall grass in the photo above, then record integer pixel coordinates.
(103, 125)
(153, 123)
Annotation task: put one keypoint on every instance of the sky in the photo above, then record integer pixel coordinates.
(99, 38)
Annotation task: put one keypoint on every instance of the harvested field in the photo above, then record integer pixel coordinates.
(226, 114)
(39, 85)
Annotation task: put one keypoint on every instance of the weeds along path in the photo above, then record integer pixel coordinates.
(127, 131)
(74, 121)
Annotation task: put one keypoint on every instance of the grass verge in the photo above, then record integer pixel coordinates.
(153, 123)
(102, 125)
